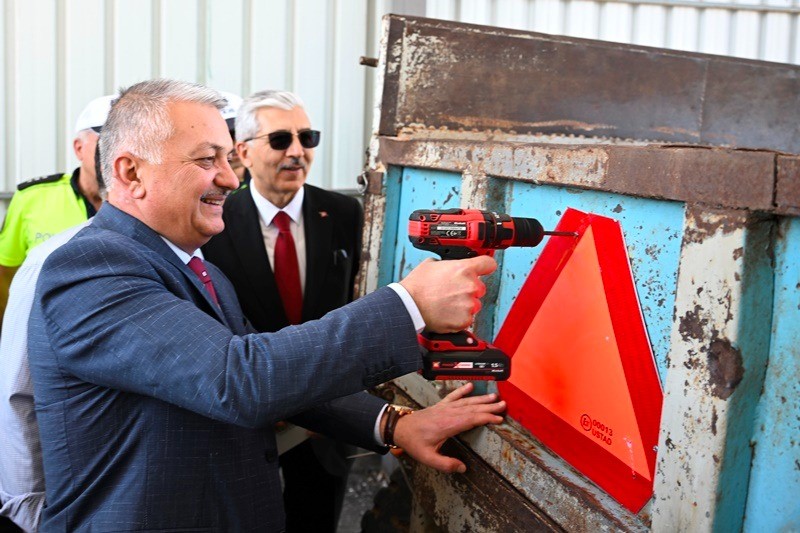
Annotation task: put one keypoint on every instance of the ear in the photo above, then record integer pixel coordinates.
(126, 172)
(243, 149)
(77, 147)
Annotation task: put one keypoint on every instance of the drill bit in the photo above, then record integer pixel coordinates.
(561, 233)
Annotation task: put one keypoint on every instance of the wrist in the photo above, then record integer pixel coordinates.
(391, 416)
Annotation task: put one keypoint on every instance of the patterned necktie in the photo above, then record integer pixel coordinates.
(199, 268)
(287, 271)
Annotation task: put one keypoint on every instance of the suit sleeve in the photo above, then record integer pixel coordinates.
(132, 332)
(350, 419)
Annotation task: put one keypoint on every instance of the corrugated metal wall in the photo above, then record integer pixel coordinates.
(755, 29)
(56, 55)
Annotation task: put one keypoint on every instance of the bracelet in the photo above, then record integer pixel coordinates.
(393, 414)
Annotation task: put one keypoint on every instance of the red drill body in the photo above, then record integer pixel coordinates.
(459, 234)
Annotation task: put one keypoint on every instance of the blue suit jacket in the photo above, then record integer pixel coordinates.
(155, 407)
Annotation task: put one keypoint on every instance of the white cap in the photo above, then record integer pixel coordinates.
(230, 110)
(95, 114)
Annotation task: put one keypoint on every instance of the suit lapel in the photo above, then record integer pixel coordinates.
(318, 233)
(112, 218)
(252, 254)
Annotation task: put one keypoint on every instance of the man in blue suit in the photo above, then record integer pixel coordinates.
(154, 397)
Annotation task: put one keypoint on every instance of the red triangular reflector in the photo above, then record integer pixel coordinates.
(583, 377)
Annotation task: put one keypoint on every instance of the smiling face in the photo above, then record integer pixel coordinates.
(181, 198)
(278, 174)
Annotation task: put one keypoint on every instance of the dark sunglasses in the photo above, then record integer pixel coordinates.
(281, 140)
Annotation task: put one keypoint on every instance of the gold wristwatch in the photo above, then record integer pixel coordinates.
(393, 414)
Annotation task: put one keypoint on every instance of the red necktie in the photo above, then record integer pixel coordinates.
(199, 268)
(287, 271)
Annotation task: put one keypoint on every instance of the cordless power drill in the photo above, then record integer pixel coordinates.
(459, 234)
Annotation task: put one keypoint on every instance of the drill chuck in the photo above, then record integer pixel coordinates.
(527, 232)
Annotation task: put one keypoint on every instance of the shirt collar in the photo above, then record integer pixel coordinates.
(267, 210)
(75, 182)
(180, 253)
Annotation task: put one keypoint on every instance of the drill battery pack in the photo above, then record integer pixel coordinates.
(462, 356)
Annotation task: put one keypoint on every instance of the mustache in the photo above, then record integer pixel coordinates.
(293, 164)
(224, 193)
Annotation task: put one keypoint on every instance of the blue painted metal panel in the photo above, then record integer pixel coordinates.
(754, 324)
(421, 189)
(653, 231)
(393, 181)
(773, 502)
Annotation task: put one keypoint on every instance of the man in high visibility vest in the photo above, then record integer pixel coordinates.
(47, 205)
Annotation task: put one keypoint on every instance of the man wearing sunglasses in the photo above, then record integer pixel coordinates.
(47, 205)
(276, 144)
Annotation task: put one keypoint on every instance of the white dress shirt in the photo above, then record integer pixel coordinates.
(183, 256)
(267, 211)
(21, 471)
(269, 232)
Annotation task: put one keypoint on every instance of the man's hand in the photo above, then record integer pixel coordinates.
(448, 293)
(422, 433)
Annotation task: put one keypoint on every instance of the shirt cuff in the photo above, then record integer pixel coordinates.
(411, 306)
(376, 431)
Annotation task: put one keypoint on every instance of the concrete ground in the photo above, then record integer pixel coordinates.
(365, 480)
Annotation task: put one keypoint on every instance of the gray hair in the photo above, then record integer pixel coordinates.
(139, 120)
(246, 120)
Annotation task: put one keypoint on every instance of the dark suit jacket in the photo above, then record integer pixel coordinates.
(332, 224)
(155, 407)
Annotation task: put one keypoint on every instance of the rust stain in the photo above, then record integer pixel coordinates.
(528, 449)
(402, 263)
(691, 133)
(450, 194)
(506, 454)
(704, 225)
(714, 418)
(490, 123)
(692, 326)
(725, 367)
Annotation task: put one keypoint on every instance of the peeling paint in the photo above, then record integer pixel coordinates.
(725, 368)
(701, 228)
(692, 326)
(714, 418)
(704, 366)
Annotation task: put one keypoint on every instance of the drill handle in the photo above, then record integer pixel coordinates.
(451, 252)
(460, 340)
